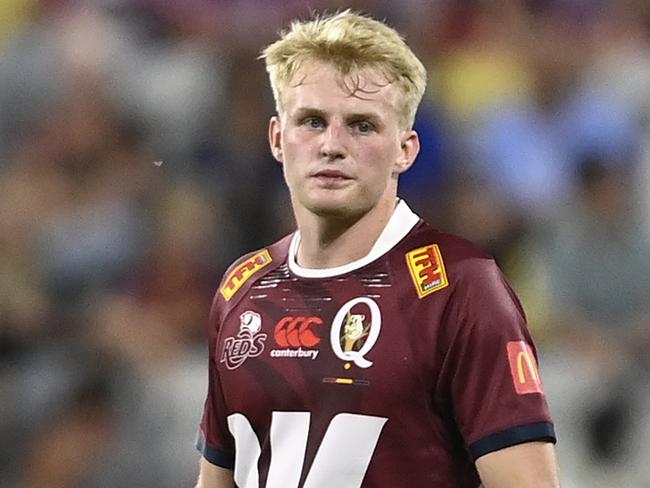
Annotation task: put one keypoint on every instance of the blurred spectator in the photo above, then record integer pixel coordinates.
(14, 14)
(622, 66)
(238, 162)
(599, 263)
(528, 146)
(73, 442)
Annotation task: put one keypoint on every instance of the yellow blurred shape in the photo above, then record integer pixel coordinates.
(471, 81)
(14, 14)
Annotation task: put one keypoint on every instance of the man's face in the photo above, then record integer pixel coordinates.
(342, 152)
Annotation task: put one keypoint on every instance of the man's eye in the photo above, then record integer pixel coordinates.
(314, 123)
(363, 127)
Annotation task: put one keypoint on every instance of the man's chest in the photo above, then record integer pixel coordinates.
(355, 343)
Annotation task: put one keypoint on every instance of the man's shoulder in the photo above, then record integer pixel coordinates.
(252, 266)
(455, 250)
(437, 260)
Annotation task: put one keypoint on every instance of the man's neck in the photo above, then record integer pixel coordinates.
(328, 243)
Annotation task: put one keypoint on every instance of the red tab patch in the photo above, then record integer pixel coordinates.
(427, 269)
(523, 368)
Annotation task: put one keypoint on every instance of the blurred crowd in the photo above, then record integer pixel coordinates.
(134, 168)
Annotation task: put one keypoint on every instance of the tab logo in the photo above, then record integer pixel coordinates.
(523, 368)
(243, 272)
(427, 269)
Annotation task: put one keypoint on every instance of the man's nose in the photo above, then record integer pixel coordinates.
(333, 144)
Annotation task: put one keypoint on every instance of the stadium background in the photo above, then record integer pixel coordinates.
(134, 167)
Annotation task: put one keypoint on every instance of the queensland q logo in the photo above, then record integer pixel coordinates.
(353, 330)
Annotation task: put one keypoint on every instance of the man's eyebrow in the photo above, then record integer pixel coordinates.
(304, 111)
(374, 118)
(371, 117)
(364, 116)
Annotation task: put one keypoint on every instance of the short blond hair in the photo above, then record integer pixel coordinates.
(350, 42)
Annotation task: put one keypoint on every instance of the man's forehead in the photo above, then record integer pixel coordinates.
(309, 70)
(365, 84)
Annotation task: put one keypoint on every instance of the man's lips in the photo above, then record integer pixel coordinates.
(331, 174)
(331, 179)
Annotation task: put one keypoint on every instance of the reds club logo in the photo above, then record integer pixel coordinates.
(296, 332)
(249, 342)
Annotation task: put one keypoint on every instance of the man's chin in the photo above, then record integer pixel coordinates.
(330, 212)
(335, 210)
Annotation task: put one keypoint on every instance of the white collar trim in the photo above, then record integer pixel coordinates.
(400, 224)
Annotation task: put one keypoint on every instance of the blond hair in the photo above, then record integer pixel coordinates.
(350, 42)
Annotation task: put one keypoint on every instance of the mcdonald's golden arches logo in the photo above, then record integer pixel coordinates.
(523, 368)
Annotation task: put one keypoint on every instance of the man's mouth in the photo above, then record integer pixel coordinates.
(331, 179)
(331, 175)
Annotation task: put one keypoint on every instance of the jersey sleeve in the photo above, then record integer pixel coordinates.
(489, 370)
(214, 440)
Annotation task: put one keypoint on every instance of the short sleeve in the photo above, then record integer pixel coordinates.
(489, 371)
(214, 440)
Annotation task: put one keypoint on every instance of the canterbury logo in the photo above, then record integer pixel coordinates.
(243, 272)
(523, 368)
(427, 269)
(296, 332)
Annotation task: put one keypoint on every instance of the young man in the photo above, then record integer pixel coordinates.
(366, 349)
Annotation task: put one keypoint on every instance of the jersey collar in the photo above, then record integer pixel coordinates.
(400, 224)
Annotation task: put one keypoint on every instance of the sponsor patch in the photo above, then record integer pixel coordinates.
(427, 269)
(523, 368)
(293, 332)
(243, 272)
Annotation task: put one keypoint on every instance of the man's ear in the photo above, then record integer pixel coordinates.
(275, 138)
(410, 148)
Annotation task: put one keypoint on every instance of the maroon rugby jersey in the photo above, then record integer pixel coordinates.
(397, 370)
